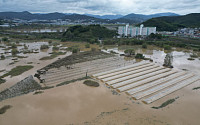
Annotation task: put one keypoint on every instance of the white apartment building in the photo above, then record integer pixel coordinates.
(131, 31)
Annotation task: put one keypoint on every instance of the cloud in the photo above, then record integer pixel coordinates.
(102, 7)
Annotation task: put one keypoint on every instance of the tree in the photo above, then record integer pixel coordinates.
(144, 45)
(168, 60)
(2, 57)
(129, 52)
(5, 39)
(14, 52)
(139, 56)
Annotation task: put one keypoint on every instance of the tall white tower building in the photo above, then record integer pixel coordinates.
(141, 27)
(132, 31)
(126, 31)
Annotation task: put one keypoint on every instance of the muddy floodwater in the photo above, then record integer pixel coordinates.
(180, 56)
(79, 104)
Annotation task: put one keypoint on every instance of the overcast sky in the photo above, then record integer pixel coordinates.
(102, 7)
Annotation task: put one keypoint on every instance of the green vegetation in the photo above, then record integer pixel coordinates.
(196, 88)
(53, 55)
(2, 57)
(54, 43)
(13, 45)
(168, 60)
(71, 81)
(167, 47)
(144, 45)
(5, 39)
(14, 52)
(91, 83)
(87, 45)
(174, 22)
(170, 101)
(44, 47)
(89, 33)
(139, 56)
(38, 92)
(74, 49)
(5, 108)
(2, 81)
(155, 36)
(46, 87)
(17, 71)
(55, 48)
(191, 59)
(129, 52)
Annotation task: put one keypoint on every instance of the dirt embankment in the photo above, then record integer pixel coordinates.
(23, 87)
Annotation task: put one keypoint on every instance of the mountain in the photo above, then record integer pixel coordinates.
(172, 23)
(110, 17)
(85, 18)
(138, 18)
(29, 16)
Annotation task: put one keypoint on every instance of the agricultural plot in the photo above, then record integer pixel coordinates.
(145, 81)
(55, 76)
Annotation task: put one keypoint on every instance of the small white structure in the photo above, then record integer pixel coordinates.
(132, 31)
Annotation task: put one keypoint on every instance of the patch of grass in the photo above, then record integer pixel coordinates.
(139, 56)
(167, 47)
(38, 92)
(54, 55)
(196, 88)
(2, 81)
(191, 59)
(22, 57)
(44, 47)
(144, 45)
(55, 48)
(47, 87)
(170, 101)
(29, 62)
(5, 108)
(91, 83)
(3, 57)
(18, 70)
(71, 81)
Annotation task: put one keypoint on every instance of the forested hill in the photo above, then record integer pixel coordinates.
(172, 23)
(89, 33)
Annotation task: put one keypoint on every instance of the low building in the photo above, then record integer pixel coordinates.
(131, 31)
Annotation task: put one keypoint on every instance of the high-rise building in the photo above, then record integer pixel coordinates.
(132, 31)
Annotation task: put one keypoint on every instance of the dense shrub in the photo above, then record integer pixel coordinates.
(144, 45)
(139, 56)
(129, 52)
(14, 52)
(44, 47)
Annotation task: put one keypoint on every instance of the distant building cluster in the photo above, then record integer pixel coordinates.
(131, 31)
(188, 32)
(16, 22)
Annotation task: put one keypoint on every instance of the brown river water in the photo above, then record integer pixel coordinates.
(79, 104)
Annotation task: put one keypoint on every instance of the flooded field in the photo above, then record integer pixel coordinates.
(79, 104)
(180, 56)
